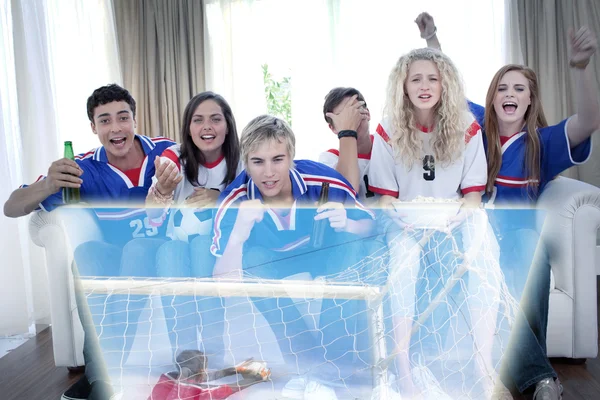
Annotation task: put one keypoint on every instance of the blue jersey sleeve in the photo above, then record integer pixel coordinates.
(226, 213)
(478, 112)
(56, 199)
(340, 190)
(50, 202)
(557, 154)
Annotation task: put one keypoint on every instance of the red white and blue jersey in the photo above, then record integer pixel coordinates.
(210, 176)
(556, 156)
(104, 183)
(426, 177)
(478, 112)
(285, 230)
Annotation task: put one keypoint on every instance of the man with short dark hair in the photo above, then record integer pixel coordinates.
(354, 153)
(120, 171)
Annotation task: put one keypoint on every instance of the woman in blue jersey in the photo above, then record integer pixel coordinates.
(524, 155)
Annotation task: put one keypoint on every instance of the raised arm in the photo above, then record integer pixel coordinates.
(160, 195)
(229, 264)
(344, 123)
(428, 30)
(62, 173)
(587, 119)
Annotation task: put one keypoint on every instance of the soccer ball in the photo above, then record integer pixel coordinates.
(189, 222)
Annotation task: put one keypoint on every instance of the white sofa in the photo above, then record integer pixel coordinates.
(570, 230)
(570, 234)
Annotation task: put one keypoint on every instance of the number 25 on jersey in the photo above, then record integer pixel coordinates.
(142, 228)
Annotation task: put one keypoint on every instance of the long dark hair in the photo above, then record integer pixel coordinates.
(534, 119)
(191, 157)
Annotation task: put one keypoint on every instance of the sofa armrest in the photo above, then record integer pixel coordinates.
(572, 219)
(59, 232)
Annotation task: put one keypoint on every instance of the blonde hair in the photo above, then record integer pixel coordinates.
(265, 128)
(450, 111)
(534, 119)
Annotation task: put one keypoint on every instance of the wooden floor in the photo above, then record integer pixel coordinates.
(28, 373)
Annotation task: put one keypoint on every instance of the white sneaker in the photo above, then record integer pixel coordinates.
(548, 389)
(294, 389)
(317, 391)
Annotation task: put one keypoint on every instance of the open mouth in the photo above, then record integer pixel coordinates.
(424, 96)
(207, 137)
(119, 141)
(269, 184)
(510, 107)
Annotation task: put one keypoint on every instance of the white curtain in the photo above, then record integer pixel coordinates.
(321, 44)
(14, 312)
(54, 54)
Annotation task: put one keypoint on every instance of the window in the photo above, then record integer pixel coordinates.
(323, 44)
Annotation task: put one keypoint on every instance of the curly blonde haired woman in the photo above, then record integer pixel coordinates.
(524, 154)
(430, 145)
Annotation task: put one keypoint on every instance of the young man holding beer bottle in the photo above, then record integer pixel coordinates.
(263, 226)
(118, 172)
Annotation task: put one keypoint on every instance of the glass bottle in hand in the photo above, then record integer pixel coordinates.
(320, 226)
(70, 195)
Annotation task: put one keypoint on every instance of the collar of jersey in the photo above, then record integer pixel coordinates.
(425, 129)
(147, 144)
(298, 186)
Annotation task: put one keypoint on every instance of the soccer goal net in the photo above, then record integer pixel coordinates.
(424, 312)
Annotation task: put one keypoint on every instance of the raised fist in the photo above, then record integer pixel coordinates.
(167, 174)
(583, 45)
(426, 25)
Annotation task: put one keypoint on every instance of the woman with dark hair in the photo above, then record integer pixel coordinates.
(188, 180)
(193, 174)
(198, 150)
(524, 154)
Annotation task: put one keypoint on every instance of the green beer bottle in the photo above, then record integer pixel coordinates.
(70, 195)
